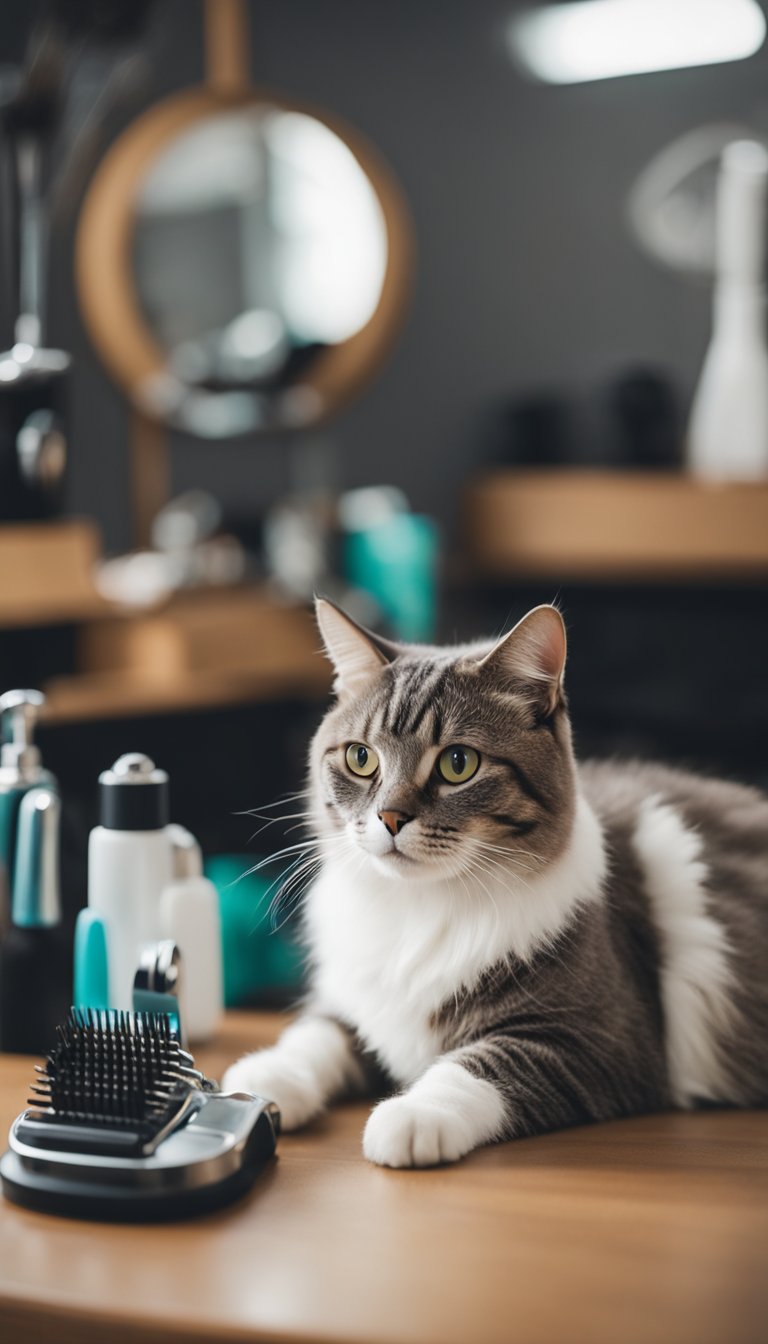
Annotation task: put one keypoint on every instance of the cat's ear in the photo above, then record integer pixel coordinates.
(533, 653)
(357, 654)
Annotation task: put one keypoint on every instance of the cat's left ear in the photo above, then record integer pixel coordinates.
(533, 653)
(356, 653)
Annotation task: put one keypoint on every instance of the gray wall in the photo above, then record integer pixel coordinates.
(527, 276)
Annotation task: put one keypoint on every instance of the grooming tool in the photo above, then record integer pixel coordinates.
(129, 866)
(122, 1126)
(91, 979)
(34, 989)
(146, 887)
(157, 983)
(21, 769)
(33, 958)
(190, 916)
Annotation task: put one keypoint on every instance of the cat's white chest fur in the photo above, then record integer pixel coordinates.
(389, 952)
(371, 956)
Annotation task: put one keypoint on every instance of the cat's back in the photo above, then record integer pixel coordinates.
(689, 853)
(730, 820)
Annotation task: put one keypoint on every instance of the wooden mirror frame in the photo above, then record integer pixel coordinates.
(103, 252)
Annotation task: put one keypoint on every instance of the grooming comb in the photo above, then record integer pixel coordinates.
(123, 1126)
(118, 1080)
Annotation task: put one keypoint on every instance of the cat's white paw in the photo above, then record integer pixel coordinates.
(276, 1076)
(407, 1132)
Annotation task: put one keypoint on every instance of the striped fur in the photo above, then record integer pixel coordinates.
(539, 946)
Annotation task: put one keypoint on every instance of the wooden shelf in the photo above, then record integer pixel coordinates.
(204, 649)
(604, 526)
(46, 573)
(81, 698)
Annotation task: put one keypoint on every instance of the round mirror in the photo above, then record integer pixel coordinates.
(242, 265)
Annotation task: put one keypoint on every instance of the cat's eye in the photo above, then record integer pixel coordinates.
(458, 764)
(361, 760)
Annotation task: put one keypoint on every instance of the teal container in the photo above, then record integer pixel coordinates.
(396, 562)
(91, 969)
(260, 963)
(10, 801)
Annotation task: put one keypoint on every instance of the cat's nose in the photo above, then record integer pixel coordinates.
(394, 821)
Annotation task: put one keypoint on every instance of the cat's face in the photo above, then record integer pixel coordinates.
(446, 761)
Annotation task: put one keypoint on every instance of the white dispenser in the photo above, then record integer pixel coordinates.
(728, 430)
(129, 866)
(190, 917)
(146, 884)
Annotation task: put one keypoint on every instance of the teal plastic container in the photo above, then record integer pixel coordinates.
(396, 562)
(260, 963)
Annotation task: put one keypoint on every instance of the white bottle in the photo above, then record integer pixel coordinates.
(129, 866)
(728, 429)
(190, 916)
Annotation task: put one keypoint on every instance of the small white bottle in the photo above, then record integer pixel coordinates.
(129, 866)
(728, 429)
(190, 916)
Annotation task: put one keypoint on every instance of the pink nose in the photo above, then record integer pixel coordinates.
(394, 821)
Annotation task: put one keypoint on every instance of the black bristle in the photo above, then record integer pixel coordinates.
(114, 1068)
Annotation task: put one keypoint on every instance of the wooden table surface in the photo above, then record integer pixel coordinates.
(647, 1231)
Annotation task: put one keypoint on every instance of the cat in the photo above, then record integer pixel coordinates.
(514, 942)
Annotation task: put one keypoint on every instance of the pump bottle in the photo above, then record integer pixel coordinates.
(129, 866)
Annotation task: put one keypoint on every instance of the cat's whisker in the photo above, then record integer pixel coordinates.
(490, 896)
(299, 847)
(277, 802)
(495, 856)
(274, 821)
(289, 899)
(278, 881)
(284, 816)
(295, 882)
(510, 860)
(492, 868)
(300, 879)
(510, 854)
(292, 887)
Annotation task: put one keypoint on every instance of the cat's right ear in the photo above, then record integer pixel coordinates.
(357, 654)
(532, 656)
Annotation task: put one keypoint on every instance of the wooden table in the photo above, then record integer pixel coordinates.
(648, 1231)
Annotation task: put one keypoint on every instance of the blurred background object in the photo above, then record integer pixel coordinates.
(605, 39)
(402, 304)
(728, 435)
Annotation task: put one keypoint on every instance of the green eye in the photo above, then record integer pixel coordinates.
(361, 760)
(458, 764)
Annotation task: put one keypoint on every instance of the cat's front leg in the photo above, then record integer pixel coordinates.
(313, 1062)
(444, 1115)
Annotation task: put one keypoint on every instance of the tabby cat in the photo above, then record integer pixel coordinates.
(509, 941)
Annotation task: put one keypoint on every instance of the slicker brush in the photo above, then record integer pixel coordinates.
(121, 1125)
(126, 1070)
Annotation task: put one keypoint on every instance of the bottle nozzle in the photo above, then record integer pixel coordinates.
(19, 713)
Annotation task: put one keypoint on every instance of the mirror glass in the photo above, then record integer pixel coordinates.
(259, 246)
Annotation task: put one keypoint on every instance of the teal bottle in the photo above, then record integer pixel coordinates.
(34, 961)
(20, 770)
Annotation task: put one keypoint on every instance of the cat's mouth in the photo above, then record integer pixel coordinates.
(394, 860)
(397, 856)
(395, 864)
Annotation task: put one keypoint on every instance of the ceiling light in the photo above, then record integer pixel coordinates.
(600, 39)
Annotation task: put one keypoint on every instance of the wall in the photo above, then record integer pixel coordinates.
(527, 276)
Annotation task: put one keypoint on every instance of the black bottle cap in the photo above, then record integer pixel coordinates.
(133, 795)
